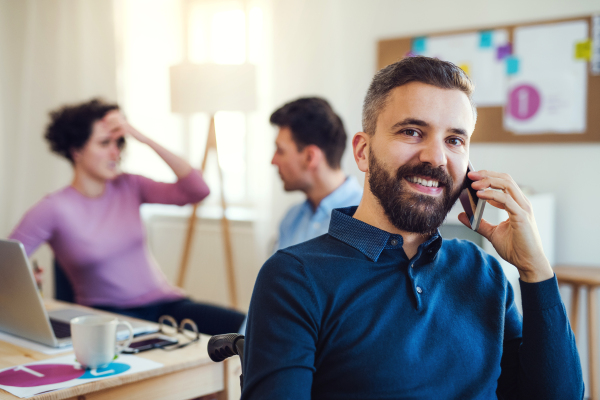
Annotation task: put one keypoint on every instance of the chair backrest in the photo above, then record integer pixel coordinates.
(63, 290)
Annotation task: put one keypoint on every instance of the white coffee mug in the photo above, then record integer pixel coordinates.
(95, 339)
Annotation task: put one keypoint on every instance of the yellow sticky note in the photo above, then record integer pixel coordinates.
(465, 67)
(583, 50)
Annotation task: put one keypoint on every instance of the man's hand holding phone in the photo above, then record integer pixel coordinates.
(472, 204)
(517, 239)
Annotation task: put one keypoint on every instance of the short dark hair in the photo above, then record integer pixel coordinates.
(427, 70)
(70, 126)
(313, 121)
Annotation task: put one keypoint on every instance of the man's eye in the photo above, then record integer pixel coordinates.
(411, 132)
(105, 142)
(455, 141)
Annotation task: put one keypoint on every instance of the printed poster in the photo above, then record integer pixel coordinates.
(64, 372)
(547, 88)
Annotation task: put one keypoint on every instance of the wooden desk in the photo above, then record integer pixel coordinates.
(590, 278)
(186, 374)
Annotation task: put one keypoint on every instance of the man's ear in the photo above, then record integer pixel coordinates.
(313, 156)
(360, 147)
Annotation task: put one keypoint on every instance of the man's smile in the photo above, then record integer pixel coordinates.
(424, 185)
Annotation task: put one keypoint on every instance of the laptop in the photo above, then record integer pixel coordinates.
(22, 311)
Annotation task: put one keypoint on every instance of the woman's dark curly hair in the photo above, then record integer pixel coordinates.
(71, 126)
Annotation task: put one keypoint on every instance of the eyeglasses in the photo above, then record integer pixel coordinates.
(188, 328)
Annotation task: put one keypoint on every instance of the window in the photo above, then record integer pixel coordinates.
(151, 39)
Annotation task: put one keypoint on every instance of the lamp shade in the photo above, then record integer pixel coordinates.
(212, 87)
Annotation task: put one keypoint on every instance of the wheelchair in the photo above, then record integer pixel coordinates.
(224, 346)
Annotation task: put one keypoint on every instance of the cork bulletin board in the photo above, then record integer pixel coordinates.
(490, 127)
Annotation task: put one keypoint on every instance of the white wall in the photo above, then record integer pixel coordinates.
(11, 49)
(328, 48)
(51, 52)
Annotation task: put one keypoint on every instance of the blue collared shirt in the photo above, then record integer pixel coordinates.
(349, 316)
(302, 222)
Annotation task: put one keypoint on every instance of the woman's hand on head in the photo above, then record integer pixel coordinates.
(114, 121)
(134, 133)
(118, 124)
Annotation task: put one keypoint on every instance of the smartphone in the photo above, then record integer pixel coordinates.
(472, 204)
(152, 342)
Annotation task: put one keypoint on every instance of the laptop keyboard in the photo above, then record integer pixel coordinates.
(61, 329)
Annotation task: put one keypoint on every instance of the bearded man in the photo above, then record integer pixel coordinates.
(382, 307)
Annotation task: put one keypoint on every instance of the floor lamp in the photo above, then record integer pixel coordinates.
(210, 88)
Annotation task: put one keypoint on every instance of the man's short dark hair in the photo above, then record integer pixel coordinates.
(426, 70)
(313, 121)
(71, 126)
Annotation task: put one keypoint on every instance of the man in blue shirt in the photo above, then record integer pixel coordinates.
(309, 149)
(382, 307)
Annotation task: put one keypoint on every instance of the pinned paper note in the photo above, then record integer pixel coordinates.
(549, 91)
(465, 67)
(512, 65)
(543, 103)
(503, 51)
(419, 45)
(595, 64)
(485, 39)
(583, 50)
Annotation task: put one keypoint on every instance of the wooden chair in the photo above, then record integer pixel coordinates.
(589, 277)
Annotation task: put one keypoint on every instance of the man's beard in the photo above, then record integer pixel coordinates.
(407, 210)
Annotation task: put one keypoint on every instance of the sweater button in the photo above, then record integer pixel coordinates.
(419, 290)
(394, 242)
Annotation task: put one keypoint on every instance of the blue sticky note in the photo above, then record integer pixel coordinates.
(485, 39)
(419, 44)
(512, 65)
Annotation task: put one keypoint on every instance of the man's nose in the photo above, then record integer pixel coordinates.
(434, 153)
(273, 160)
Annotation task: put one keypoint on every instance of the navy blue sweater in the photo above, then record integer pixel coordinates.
(348, 316)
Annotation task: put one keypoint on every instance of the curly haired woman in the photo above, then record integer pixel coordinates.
(94, 225)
